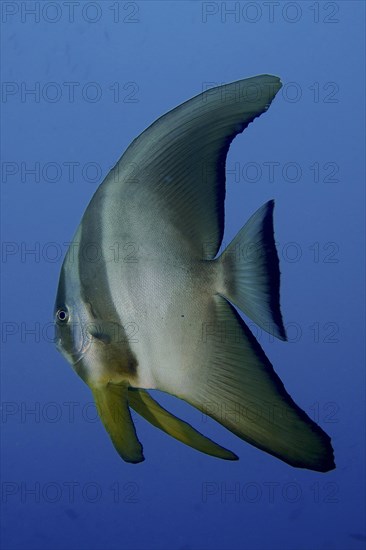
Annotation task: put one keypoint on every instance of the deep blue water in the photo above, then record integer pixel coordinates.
(100, 73)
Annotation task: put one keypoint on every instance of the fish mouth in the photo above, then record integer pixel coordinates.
(58, 345)
(78, 360)
(74, 358)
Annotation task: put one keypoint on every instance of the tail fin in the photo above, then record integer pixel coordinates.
(251, 274)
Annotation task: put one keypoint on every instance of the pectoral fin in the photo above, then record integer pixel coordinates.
(112, 405)
(147, 407)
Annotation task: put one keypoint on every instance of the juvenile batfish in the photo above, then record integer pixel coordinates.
(144, 303)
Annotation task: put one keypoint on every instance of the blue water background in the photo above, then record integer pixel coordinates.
(63, 486)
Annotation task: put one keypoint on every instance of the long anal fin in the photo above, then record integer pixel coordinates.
(142, 402)
(233, 382)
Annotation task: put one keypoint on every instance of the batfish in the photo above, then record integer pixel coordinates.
(147, 301)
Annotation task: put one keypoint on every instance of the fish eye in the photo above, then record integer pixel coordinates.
(62, 315)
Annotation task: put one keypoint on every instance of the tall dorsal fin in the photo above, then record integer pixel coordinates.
(177, 167)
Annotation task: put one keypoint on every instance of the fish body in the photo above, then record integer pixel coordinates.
(145, 301)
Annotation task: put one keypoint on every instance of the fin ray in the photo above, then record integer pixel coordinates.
(142, 402)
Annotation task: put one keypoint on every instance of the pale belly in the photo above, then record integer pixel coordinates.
(163, 308)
